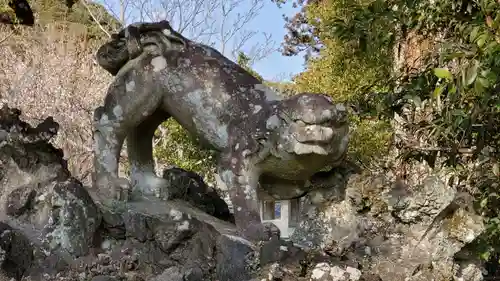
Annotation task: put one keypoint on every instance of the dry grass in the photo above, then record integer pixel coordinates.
(51, 71)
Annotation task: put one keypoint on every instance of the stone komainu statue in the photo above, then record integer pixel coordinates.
(264, 140)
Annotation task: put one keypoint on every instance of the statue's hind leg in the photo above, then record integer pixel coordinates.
(130, 100)
(140, 153)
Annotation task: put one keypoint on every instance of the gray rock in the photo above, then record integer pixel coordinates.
(275, 272)
(190, 187)
(17, 252)
(38, 190)
(278, 250)
(194, 274)
(394, 231)
(470, 271)
(74, 218)
(113, 221)
(370, 277)
(104, 278)
(53, 218)
(170, 274)
(174, 232)
(233, 253)
(326, 272)
(432, 197)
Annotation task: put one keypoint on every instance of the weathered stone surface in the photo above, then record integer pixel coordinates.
(394, 230)
(170, 274)
(470, 271)
(38, 190)
(326, 272)
(278, 250)
(229, 248)
(56, 231)
(17, 252)
(126, 45)
(261, 137)
(179, 242)
(190, 187)
(168, 236)
(112, 221)
(103, 278)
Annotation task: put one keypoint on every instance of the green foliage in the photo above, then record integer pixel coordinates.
(369, 139)
(457, 85)
(178, 147)
(343, 72)
(4, 8)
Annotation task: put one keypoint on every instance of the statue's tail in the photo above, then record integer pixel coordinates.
(129, 43)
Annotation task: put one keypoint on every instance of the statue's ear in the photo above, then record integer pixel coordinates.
(165, 24)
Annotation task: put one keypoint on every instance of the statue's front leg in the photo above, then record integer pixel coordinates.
(130, 100)
(108, 141)
(242, 180)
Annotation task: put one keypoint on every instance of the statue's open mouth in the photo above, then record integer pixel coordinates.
(314, 126)
(310, 139)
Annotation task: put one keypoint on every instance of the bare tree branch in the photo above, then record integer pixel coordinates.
(222, 24)
(7, 36)
(84, 2)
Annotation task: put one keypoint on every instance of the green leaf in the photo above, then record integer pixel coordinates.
(473, 34)
(416, 99)
(452, 90)
(443, 73)
(484, 202)
(484, 82)
(455, 55)
(491, 47)
(485, 256)
(458, 112)
(481, 40)
(478, 86)
(490, 75)
(471, 75)
(438, 91)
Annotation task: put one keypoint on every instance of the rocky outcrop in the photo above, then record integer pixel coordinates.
(163, 238)
(355, 226)
(393, 228)
(38, 191)
(190, 187)
(53, 228)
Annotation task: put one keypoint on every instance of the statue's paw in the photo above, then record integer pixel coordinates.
(257, 231)
(122, 189)
(151, 185)
(115, 188)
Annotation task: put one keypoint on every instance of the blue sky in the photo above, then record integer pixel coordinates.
(270, 20)
(273, 67)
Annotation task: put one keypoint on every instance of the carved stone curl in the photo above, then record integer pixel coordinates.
(262, 138)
